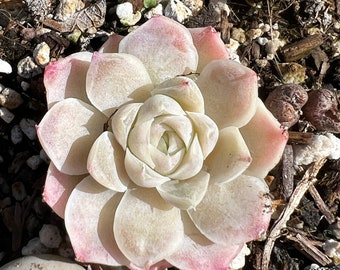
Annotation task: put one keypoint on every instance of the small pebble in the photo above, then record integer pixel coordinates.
(332, 250)
(67, 8)
(292, 72)
(194, 5)
(33, 247)
(66, 250)
(34, 162)
(5, 67)
(238, 34)
(27, 68)
(19, 191)
(125, 14)
(41, 54)
(177, 11)
(49, 235)
(6, 115)
(44, 157)
(9, 98)
(335, 151)
(16, 134)
(28, 128)
(239, 261)
(319, 148)
(321, 110)
(157, 10)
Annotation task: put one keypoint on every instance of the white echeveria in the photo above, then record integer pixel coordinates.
(159, 146)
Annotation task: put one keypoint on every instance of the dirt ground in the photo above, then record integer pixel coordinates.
(284, 41)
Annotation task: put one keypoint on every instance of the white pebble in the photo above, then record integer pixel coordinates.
(49, 235)
(6, 115)
(320, 147)
(27, 68)
(33, 162)
(34, 246)
(5, 67)
(28, 128)
(239, 261)
(124, 10)
(41, 54)
(335, 150)
(176, 10)
(16, 134)
(157, 10)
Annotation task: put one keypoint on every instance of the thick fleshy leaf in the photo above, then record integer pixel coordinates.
(191, 163)
(164, 46)
(140, 173)
(266, 140)
(185, 91)
(106, 163)
(209, 45)
(185, 194)
(207, 131)
(67, 132)
(230, 92)
(114, 79)
(199, 253)
(111, 44)
(66, 78)
(89, 222)
(230, 157)
(123, 120)
(58, 187)
(147, 229)
(158, 105)
(234, 212)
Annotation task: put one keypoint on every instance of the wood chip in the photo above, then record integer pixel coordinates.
(302, 48)
(300, 190)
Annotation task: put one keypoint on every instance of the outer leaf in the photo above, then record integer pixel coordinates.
(106, 163)
(111, 44)
(147, 229)
(209, 45)
(58, 187)
(164, 46)
(187, 193)
(230, 92)
(67, 132)
(89, 223)
(234, 212)
(199, 253)
(266, 140)
(185, 91)
(230, 157)
(114, 79)
(66, 78)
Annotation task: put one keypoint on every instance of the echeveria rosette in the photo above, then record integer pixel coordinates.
(158, 146)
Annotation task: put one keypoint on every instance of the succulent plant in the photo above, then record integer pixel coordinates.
(159, 147)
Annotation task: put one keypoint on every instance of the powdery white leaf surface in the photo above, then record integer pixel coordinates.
(230, 92)
(206, 130)
(91, 230)
(266, 140)
(185, 194)
(198, 253)
(140, 173)
(185, 91)
(114, 79)
(43, 262)
(58, 187)
(147, 229)
(234, 212)
(164, 46)
(122, 121)
(230, 157)
(106, 163)
(209, 45)
(191, 163)
(111, 44)
(66, 78)
(67, 132)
